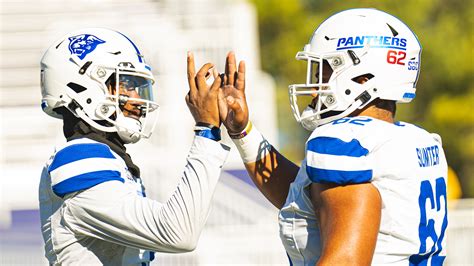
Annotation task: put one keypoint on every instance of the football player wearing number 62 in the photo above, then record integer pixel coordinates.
(370, 190)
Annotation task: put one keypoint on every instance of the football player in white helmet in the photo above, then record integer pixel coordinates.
(370, 190)
(92, 200)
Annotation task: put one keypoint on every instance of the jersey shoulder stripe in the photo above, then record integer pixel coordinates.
(80, 151)
(82, 164)
(336, 154)
(325, 176)
(336, 146)
(84, 181)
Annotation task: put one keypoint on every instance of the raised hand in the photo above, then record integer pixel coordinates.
(233, 108)
(202, 98)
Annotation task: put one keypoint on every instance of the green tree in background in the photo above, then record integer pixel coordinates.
(445, 98)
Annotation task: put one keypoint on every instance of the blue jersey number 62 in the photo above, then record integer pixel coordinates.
(426, 228)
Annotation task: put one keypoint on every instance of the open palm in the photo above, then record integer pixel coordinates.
(233, 108)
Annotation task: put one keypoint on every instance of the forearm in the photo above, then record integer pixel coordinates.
(187, 209)
(271, 172)
(273, 175)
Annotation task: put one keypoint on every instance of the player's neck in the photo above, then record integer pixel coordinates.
(375, 112)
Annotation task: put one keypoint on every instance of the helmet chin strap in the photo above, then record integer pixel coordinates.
(91, 122)
(311, 122)
(127, 128)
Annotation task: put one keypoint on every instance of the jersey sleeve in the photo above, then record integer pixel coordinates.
(82, 165)
(338, 158)
(112, 213)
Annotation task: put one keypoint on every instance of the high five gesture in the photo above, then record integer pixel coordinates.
(232, 102)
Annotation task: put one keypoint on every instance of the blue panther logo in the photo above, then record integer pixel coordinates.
(83, 44)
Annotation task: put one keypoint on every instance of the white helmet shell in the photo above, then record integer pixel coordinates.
(354, 43)
(74, 72)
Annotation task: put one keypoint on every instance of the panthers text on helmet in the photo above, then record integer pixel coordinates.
(374, 42)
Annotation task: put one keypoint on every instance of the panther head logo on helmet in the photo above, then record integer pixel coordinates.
(83, 44)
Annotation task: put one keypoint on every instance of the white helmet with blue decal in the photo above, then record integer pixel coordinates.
(351, 44)
(100, 76)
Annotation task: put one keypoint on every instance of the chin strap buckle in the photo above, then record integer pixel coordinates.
(364, 97)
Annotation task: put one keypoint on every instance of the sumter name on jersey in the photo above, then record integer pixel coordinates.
(428, 156)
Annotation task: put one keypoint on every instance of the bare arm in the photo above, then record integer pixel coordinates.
(271, 172)
(273, 175)
(349, 219)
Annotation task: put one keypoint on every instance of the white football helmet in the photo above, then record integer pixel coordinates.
(80, 72)
(348, 45)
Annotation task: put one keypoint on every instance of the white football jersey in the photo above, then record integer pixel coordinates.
(404, 162)
(93, 211)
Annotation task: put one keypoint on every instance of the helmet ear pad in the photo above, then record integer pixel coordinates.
(106, 110)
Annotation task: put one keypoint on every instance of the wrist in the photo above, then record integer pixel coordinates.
(207, 130)
(252, 146)
(242, 133)
(205, 124)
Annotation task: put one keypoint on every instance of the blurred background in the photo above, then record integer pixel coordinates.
(242, 227)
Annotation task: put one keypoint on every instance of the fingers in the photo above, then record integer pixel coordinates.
(230, 68)
(202, 76)
(232, 76)
(213, 73)
(191, 70)
(240, 82)
(216, 84)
